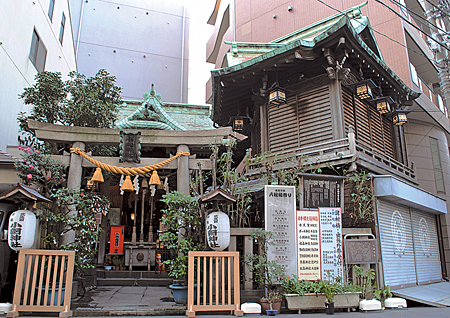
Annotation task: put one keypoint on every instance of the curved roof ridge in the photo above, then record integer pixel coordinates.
(150, 115)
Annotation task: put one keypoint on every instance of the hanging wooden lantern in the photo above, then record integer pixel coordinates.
(277, 96)
(218, 230)
(238, 123)
(22, 229)
(127, 185)
(384, 104)
(399, 117)
(365, 89)
(98, 177)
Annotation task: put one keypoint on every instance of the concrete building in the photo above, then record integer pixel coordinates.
(247, 29)
(35, 36)
(140, 42)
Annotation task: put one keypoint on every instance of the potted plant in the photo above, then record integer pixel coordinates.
(185, 231)
(382, 294)
(330, 287)
(307, 295)
(266, 272)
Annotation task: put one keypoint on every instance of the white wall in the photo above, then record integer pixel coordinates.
(140, 42)
(17, 22)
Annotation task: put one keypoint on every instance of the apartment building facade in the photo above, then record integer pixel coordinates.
(35, 36)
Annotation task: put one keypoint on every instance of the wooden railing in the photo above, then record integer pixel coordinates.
(213, 278)
(335, 152)
(43, 282)
(365, 149)
(322, 152)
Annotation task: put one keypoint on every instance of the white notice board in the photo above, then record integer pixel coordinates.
(331, 242)
(308, 231)
(280, 215)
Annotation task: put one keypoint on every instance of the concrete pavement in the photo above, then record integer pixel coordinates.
(132, 301)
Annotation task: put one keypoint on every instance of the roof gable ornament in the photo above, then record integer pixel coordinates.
(150, 115)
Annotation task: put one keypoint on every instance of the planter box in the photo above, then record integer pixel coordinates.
(313, 301)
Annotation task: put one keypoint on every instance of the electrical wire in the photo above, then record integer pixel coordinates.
(442, 114)
(440, 9)
(382, 34)
(419, 16)
(415, 27)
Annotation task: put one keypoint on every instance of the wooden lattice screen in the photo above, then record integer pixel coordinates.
(214, 280)
(43, 282)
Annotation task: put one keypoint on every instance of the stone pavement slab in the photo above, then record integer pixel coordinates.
(106, 301)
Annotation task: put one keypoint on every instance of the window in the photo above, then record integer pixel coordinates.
(437, 166)
(50, 9)
(414, 76)
(61, 30)
(38, 52)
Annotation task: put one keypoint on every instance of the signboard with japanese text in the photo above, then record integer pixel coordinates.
(280, 215)
(308, 231)
(317, 193)
(331, 242)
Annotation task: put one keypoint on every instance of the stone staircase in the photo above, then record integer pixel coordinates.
(132, 278)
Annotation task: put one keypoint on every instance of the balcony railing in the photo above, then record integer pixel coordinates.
(335, 152)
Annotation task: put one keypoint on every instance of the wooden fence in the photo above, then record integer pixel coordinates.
(214, 278)
(43, 282)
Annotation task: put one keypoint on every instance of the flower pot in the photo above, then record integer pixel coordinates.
(265, 306)
(272, 312)
(180, 293)
(313, 301)
(49, 296)
(329, 308)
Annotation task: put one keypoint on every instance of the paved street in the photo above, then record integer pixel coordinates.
(414, 312)
(123, 301)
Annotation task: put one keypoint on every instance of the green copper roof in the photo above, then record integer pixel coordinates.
(244, 55)
(152, 113)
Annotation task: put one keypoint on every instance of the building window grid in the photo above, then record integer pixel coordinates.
(437, 165)
(61, 31)
(51, 8)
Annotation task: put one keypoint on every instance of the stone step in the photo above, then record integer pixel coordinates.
(134, 281)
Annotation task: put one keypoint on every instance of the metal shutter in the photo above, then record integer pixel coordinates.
(396, 240)
(426, 247)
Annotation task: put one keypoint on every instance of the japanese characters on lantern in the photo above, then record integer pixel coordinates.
(218, 230)
(22, 229)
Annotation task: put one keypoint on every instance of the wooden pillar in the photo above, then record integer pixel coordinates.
(183, 171)
(74, 182)
(248, 250)
(337, 110)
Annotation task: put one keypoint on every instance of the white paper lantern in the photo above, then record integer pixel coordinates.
(218, 231)
(22, 229)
